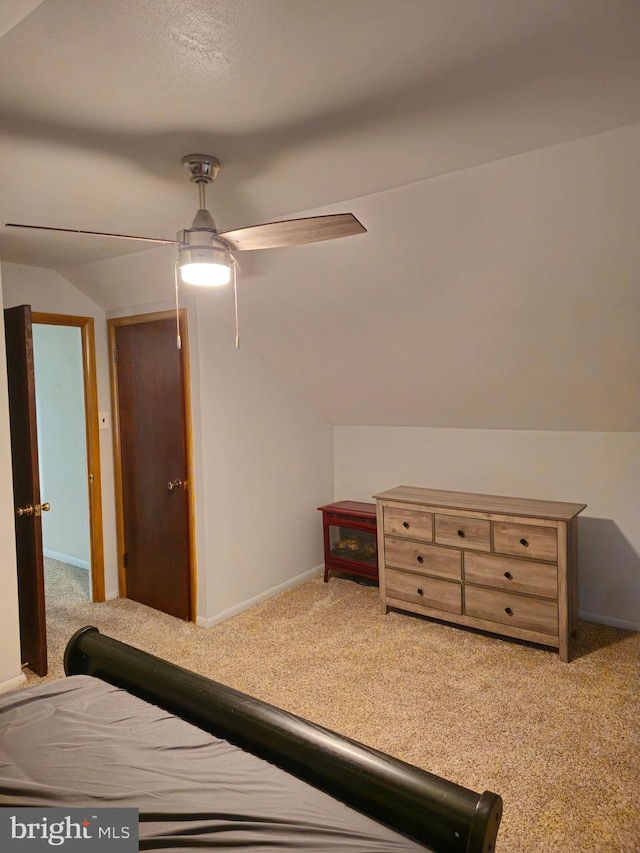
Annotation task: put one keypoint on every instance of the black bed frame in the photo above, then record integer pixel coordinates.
(443, 816)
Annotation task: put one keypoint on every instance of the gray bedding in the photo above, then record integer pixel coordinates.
(82, 742)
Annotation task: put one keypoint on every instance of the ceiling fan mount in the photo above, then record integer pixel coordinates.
(201, 168)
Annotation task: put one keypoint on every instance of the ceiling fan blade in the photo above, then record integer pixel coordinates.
(93, 233)
(293, 232)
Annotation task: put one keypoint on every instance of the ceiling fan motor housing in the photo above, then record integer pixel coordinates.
(201, 246)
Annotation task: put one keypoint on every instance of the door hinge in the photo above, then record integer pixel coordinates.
(115, 354)
(125, 560)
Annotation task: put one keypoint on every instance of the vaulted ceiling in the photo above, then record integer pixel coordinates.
(467, 136)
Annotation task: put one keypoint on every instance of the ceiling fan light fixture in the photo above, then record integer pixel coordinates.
(203, 261)
(205, 274)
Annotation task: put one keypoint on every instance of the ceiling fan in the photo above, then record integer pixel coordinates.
(204, 254)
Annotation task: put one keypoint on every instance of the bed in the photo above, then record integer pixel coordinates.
(210, 767)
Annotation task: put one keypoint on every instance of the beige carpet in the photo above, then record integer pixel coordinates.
(559, 742)
(64, 585)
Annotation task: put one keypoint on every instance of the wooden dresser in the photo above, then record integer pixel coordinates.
(505, 565)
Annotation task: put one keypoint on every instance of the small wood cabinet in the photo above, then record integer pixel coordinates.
(350, 539)
(505, 565)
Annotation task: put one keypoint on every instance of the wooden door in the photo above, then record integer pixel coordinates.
(149, 393)
(26, 487)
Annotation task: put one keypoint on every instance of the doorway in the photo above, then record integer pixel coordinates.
(57, 359)
(153, 461)
(80, 493)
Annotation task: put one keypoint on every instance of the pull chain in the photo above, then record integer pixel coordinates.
(178, 338)
(234, 264)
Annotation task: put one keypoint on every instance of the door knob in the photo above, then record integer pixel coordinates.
(176, 484)
(30, 509)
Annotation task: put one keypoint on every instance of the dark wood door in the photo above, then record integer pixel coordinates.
(153, 459)
(26, 487)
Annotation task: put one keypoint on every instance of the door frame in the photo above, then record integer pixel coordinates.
(131, 320)
(94, 485)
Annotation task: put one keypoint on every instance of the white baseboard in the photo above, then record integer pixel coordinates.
(627, 624)
(109, 596)
(251, 602)
(12, 683)
(66, 558)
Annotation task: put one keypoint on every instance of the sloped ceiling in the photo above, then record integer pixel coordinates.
(14, 11)
(463, 134)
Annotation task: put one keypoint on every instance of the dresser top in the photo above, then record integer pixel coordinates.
(555, 510)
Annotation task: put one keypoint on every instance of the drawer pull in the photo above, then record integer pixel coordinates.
(508, 611)
(508, 576)
(420, 558)
(405, 524)
(420, 591)
(461, 534)
(524, 542)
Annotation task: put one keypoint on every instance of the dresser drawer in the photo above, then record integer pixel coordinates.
(525, 540)
(463, 532)
(431, 592)
(427, 559)
(536, 614)
(512, 575)
(408, 522)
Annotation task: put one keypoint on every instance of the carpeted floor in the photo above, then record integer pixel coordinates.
(64, 586)
(559, 742)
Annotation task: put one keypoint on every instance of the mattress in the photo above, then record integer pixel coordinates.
(82, 742)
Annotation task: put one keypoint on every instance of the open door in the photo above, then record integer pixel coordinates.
(26, 487)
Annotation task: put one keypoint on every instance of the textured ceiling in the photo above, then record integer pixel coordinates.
(466, 291)
(305, 103)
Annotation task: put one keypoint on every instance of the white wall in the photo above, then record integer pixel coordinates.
(48, 292)
(62, 442)
(601, 469)
(499, 297)
(10, 669)
(266, 466)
